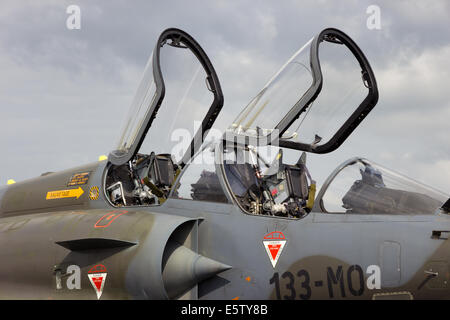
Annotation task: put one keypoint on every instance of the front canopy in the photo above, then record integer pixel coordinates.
(176, 103)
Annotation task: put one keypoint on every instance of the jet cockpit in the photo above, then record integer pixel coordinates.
(180, 80)
(312, 104)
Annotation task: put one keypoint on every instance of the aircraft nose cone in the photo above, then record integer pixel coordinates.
(183, 269)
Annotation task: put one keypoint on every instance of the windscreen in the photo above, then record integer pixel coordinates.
(363, 187)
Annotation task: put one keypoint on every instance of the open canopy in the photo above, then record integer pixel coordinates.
(314, 101)
(179, 90)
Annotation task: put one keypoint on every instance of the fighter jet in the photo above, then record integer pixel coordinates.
(175, 215)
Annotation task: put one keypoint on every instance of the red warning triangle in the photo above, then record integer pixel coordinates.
(274, 249)
(98, 282)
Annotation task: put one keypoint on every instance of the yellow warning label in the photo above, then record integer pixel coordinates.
(78, 179)
(61, 194)
(94, 193)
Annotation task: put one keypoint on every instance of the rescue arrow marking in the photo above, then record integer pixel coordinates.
(61, 194)
(108, 218)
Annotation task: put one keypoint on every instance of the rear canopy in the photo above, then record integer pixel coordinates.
(315, 101)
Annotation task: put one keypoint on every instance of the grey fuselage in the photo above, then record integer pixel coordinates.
(325, 255)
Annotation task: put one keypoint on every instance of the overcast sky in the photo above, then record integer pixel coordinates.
(64, 93)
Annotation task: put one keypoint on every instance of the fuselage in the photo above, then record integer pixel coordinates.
(324, 256)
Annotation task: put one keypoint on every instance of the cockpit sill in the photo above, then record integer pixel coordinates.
(420, 193)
